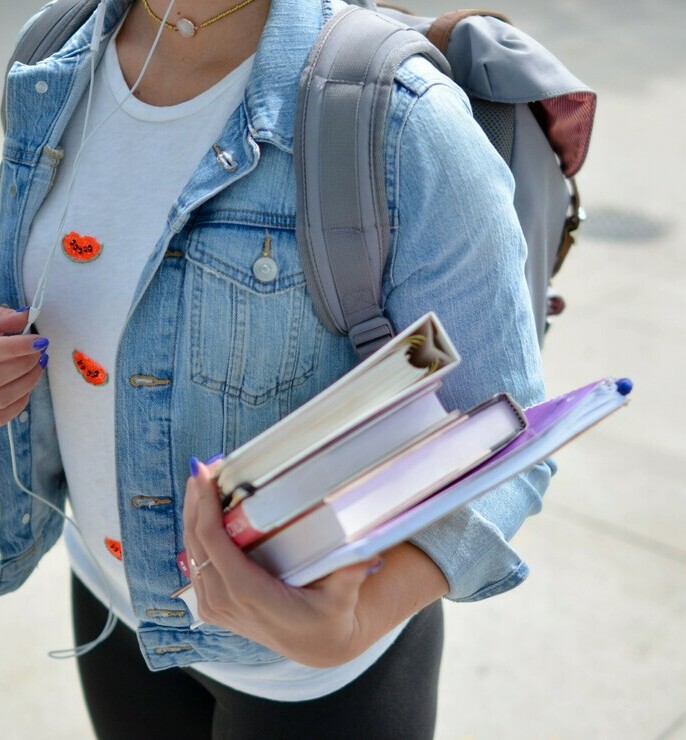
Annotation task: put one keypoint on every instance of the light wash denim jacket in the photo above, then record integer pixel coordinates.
(210, 356)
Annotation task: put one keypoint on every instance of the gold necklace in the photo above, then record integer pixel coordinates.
(185, 27)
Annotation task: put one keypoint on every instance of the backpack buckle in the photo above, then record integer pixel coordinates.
(370, 335)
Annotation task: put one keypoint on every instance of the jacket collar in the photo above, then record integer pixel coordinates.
(271, 95)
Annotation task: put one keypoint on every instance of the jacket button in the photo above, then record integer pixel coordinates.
(173, 649)
(148, 381)
(24, 417)
(171, 613)
(42, 87)
(265, 270)
(225, 159)
(149, 502)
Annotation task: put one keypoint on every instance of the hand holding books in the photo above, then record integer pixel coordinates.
(375, 458)
(327, 623)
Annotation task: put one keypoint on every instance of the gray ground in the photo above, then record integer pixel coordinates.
(592, 646)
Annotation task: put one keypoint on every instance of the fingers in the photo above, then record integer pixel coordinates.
(203, 528)
(194, 551)
(206, 540)
(22, 360)
(20, 346)
(207, 528)
(14, 395)
(11, 321)
(13, 410)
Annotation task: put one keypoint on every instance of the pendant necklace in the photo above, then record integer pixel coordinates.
(185, 27)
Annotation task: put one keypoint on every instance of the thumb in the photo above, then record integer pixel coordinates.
(11, 321)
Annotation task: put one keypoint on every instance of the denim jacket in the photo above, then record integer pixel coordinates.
(210, 355)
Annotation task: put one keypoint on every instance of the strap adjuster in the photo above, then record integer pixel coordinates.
(370, 335)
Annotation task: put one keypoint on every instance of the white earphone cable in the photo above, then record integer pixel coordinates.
(111, 622)
(37, 304)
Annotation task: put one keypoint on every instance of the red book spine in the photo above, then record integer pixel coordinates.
(239, 527)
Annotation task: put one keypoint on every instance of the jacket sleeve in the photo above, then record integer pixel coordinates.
(458, 249)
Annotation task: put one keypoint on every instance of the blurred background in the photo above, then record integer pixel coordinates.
(593, 645)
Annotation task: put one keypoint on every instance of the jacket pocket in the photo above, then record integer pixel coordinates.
(254, 333)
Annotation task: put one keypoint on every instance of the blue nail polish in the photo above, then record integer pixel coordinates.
(24, 309)
(214, 459)
(44, 359)
(41, 344)
(194, 465)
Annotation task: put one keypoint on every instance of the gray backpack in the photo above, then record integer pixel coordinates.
(535, 112)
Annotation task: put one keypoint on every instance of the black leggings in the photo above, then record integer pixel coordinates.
(395, 699)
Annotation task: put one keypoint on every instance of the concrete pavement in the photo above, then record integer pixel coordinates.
(592, 645)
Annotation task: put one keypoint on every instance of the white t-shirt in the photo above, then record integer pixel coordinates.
(114, 219)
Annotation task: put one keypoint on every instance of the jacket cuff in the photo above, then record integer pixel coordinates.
(474, 556)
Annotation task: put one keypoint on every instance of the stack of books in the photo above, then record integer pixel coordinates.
(375, 458)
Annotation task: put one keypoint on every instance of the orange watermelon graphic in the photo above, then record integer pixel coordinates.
(81, 248)
(114, 547)
(90, 370)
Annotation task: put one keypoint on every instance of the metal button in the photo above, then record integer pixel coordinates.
(148, 381)
(265, 269)
(24, 417)
(170, 613)
(26, 519)
(149, 502)
(42, 87)
(225, 159)
(173, 649)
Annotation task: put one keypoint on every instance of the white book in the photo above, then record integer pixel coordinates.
(414, 358)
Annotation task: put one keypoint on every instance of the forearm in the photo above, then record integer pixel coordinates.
(408, 581)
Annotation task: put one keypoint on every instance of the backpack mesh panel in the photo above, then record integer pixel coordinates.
(498, 122)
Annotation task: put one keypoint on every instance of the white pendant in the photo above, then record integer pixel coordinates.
(186, 28)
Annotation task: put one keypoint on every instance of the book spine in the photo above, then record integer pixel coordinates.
(239, 527)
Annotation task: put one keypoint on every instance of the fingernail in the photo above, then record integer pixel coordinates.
(195, 466)
(378, 565)
(214, 459)
(44, 359)
(41, 343)
(23, 310)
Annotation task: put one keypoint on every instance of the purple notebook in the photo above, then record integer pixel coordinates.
(551, 425)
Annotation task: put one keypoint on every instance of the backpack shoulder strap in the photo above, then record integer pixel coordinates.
(47, 34)
(342, 216)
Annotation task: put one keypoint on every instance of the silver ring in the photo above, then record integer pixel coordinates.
(195, 568)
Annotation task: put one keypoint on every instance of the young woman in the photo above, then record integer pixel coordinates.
(164, 345)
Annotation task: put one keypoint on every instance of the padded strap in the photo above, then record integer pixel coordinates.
(342, 211)
(48, 33)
